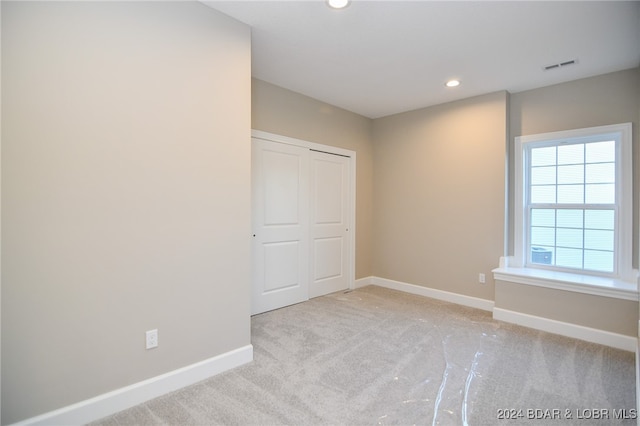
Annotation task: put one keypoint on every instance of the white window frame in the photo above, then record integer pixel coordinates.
(624, 232)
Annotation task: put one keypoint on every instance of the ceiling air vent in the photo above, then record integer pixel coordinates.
(560, 65)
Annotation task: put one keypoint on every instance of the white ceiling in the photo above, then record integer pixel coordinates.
(378, 58)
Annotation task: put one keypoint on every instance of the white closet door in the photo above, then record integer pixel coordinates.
(329, 217)
(280, 225)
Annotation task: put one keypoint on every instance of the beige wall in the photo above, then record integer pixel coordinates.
(607, 99)
(439, 194)
(125, 195)
(283, 112)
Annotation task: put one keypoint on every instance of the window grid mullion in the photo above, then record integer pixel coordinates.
(584, 200)
(555, 226)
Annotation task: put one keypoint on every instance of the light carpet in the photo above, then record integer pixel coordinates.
(378, 356)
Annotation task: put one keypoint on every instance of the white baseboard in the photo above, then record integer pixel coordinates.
(362, 282)
(593, 335)
(460, 299)
(112, 402)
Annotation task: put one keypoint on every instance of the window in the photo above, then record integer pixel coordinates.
(573, 208)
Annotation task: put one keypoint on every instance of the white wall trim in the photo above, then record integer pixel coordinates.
(362, 282)
(120, 399)
(577, 283)
(259, 134)
(575, 331)
(460, 299)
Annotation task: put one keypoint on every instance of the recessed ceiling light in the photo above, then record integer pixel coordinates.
(452, 83)
(338, 4)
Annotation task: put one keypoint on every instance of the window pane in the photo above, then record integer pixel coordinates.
(599, 152)
(569, 258)
(601, 173)
(543, 217)
(571, 194)
(543, 175)
(601, 193)
(571, 154)
(598, 260)
(542, 236)
(571, 174)
(570, 218)
(543, 194)
(569, 238)
(542, 255)
(599, 219)
(598, 240)
(573, 197)
(543, 156)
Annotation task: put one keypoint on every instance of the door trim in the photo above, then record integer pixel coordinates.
(259, 134)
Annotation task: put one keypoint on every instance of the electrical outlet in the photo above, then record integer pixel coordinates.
(481, 278)
(152, 339)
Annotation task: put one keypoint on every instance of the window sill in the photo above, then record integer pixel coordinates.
(586, 284)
